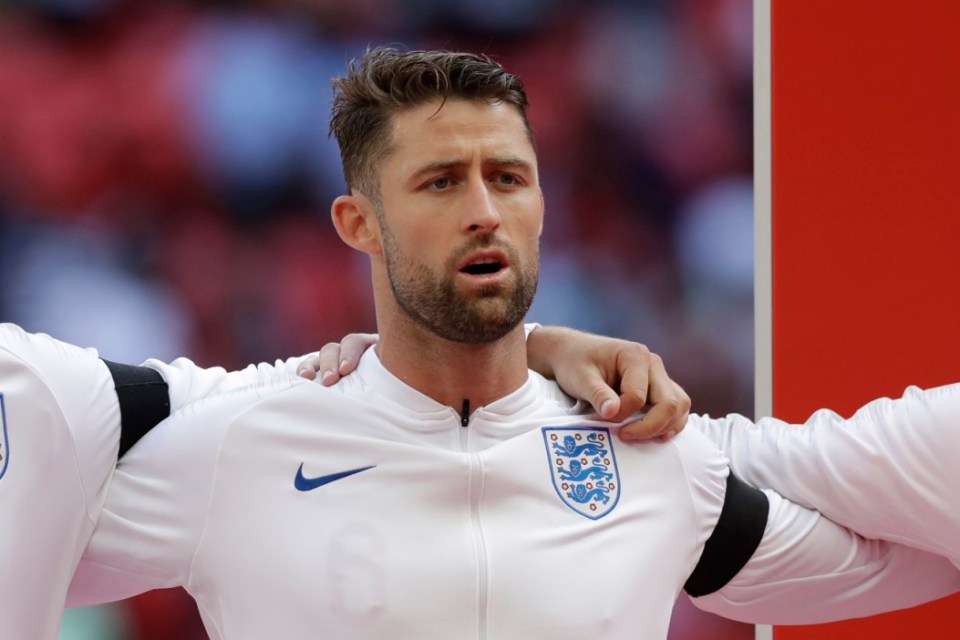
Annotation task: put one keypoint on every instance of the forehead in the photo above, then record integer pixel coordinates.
(458, 129)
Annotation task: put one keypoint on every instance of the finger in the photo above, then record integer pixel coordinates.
(606, 403)
(634, 367)
(681, 422)
(668, 406)
(656, 422)
(309, 366)
(352, 348)
(589, 386)
(327, 363)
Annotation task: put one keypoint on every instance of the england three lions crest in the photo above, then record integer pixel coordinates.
(583, 468)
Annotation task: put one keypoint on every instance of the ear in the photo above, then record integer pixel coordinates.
(356, 222)
(543, 213)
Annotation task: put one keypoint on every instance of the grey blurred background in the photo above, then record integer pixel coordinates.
(165, 180)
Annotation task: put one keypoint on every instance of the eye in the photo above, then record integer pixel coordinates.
(441, 183)
(508, 179)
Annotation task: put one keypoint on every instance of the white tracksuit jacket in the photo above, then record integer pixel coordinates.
(368, 510)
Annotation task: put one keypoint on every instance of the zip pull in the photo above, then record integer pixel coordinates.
(465, 413)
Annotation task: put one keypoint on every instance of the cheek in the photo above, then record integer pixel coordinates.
(538, 226)
(421, 246)
(532, 220)
(410, 232)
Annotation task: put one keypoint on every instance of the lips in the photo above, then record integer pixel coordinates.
(484, 263)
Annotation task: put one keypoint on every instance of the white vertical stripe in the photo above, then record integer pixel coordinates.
(762, 189)
(763, 205)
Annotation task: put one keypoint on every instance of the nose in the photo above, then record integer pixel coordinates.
(481, 214)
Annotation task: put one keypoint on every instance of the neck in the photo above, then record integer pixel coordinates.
(453, 372)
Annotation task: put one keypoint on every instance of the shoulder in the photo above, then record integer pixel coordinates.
(71, 385)
(695, 448)
(731, 516)
(706, 470)
(177, 463)
(75, 377)
(193, 431)
(551, 396)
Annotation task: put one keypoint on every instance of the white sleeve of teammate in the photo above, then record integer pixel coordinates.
(891, 471)
(59, 434)
(809, 570)
(189, 382)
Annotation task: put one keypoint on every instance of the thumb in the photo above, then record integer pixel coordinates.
(605, 401)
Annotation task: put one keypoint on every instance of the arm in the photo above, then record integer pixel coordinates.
(806, 569)
(891, 471)
(61, 427)
(809, 570)
(59, 433)
(189, 382)
(768, 560)
(156, 509)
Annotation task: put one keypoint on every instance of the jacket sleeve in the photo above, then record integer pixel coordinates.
(59, 434)
(809, 570)
(155, 510)
(189, 382)
(889, 472)
(157, 506)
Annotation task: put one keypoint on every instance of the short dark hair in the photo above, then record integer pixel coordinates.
(385, 81)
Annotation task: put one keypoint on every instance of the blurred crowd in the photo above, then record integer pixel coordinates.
(165, 178)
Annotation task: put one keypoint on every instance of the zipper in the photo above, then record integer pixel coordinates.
(474, 495)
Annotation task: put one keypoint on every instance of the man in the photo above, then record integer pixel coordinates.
(61, 432)
(442, 490)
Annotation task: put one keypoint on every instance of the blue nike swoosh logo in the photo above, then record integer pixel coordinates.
(309, 484)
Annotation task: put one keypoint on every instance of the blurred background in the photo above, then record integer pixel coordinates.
(165, 180)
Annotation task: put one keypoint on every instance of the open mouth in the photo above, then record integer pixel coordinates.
(483, 266)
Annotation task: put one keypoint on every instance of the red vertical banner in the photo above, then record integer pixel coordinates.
(864, 199)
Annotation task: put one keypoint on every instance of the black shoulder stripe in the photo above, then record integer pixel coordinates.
(144, 401)
(734, 539)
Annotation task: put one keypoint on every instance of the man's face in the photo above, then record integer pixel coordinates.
(461, 213)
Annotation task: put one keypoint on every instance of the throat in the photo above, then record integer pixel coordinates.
(450, 372)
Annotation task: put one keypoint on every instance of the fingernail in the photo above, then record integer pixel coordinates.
(343, 363)
(605, 408)
(326, 375)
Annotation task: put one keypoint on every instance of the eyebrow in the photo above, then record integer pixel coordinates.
(440, 165)
(496, 161)
(510, 161)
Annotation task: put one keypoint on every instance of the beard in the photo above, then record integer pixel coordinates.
(431, 299)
